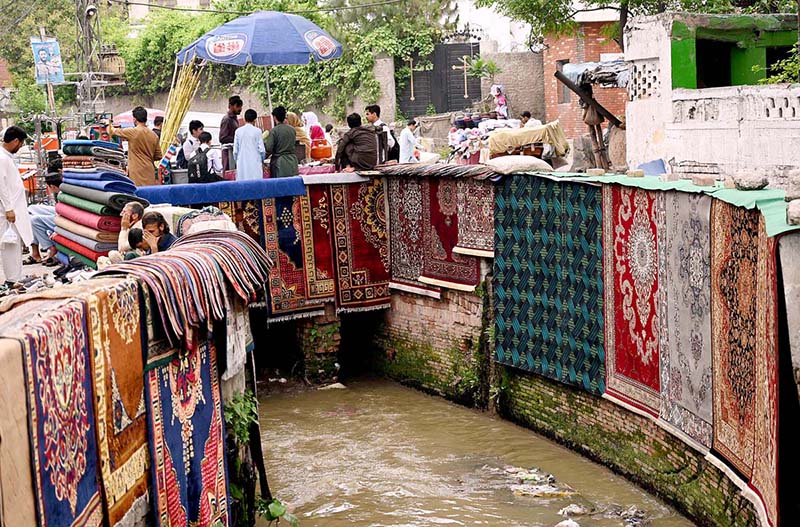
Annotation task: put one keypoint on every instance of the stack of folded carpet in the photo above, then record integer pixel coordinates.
(94, 192)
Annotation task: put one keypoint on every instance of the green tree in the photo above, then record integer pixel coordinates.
(557, 16)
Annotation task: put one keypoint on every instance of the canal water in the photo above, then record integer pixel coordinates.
(380, 454)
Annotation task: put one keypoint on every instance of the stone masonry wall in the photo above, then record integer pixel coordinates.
(585, 45)
(522, 76)
(444, 346)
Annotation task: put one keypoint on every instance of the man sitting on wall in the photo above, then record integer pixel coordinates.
(358, 148)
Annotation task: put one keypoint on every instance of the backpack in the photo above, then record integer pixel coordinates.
(198, 168)
(181, 161)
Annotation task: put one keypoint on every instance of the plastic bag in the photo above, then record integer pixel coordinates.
(11, 236)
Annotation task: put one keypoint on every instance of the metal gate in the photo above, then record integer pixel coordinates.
(445, 87)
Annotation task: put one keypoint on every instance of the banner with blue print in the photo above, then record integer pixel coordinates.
(47, 60)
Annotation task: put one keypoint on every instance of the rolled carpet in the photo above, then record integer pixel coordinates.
(86, 242)
(96, 174)
(69, 252)
(78, 248)
(107, 186)
(115, 200)
(86, 232)
(85, 204)
(89, 219)
(69, 144)
(92, 162)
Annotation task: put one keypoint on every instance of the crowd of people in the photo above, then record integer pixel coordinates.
(367, 143)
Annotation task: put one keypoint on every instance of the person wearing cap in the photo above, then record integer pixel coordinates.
(43, 221)
(13, 206)
(409, 143)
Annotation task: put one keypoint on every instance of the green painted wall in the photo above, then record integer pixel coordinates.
(684, 63)
(742, 62)
(752, 35)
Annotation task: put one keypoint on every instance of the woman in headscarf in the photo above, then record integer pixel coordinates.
(312, 126)
(302, 137)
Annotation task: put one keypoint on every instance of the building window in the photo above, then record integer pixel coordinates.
(713, 63)
(563, 92)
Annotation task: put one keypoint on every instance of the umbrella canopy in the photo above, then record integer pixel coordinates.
(265, 38)
(126, 120)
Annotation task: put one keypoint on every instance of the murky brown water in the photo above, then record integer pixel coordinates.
(379, 454)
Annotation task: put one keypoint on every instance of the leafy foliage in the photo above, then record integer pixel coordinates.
(483, 69)
(275, 511)
(556, 16)
(240, 413)
(786, 70)
(21, 20)
(364, 33)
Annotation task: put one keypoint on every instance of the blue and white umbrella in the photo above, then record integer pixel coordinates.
(264, 38)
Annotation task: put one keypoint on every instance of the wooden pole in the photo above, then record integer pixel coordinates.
(588, 99)
(51, 101)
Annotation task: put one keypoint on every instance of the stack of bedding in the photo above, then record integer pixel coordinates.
(94, 192)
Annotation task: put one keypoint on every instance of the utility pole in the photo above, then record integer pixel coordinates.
(87, 16)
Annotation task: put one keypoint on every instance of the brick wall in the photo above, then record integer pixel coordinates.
(523, 80)
(434, 344)
(627, 443)
(438, 346)
(585, 45)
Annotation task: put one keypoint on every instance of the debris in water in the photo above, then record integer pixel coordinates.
(534, 482)
(632, 516)
(568, 523)
(543, 491)
(334, 386)
(574, 509)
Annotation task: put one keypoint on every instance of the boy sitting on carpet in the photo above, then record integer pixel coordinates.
(137, 244)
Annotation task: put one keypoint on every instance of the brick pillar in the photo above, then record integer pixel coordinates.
(319, 339)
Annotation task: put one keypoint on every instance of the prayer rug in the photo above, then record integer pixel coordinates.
(62, 423)
(734, 305)
(17, 502)
(764, 481)
(186, 437)
(361, 246)
(288, 297)
(548, 282)
(248, 216)
(686, 393)
(475, 218)
(632, 264)
(316, 224)
(405, 236)
(117, 371)
(441, 266)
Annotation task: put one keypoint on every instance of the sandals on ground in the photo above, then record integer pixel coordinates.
(30, 261)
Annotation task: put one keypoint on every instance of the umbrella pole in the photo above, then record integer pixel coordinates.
(269, 95)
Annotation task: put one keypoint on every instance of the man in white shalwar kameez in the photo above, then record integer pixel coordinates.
(13, 205)
(249, 150)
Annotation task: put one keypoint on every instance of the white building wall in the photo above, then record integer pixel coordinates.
(507, 34)
(649, 54)
(739, 129)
